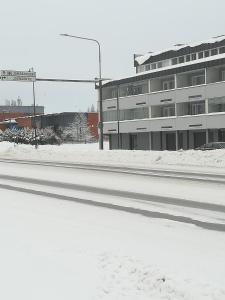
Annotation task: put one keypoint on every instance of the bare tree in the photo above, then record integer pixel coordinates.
(78, 131)
(92, 108)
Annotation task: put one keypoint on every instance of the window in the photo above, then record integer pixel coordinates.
(140, 69)
(198, 79)
(191, 108)
(181, 59)
(109, 93)
(159, 64)
(188, 57)
(168, 111)
(206, 53)
(193, 56)
(197, 108)
(174, 61)
(200, 55)
(222, 50)
(159, 111)
(110, 116)
(223, 75)
(147, 67)
(168, 84)
(153, 66)
(217, 105)
(134, 89)
(136, 113)
(214, 51)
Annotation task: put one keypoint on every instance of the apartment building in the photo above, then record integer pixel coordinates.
(176, 99)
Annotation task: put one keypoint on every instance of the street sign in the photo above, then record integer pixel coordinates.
(17, 78)
(11, 75)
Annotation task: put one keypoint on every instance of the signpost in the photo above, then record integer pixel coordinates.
(12, 75)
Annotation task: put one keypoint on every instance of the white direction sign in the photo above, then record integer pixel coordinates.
(11, 75)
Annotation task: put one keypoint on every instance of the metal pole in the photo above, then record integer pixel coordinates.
(35, 127)
(100, 84)
(118, 116)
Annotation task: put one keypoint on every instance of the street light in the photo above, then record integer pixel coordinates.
(99, 80)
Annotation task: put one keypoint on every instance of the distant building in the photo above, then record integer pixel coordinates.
(25, 110)
(176, 99)
(18, 111)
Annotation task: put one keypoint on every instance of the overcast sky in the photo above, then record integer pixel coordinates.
(30, 31)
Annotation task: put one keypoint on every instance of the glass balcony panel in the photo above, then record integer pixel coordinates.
(217, 105)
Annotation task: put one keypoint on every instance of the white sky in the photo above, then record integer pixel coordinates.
(30, 38)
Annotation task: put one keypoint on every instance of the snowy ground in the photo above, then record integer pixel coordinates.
(55, 249)
(89, 153)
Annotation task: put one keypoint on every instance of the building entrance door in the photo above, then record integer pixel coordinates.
(199, 139)
(133, 141)
(170, 141)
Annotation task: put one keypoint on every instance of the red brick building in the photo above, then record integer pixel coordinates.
(92, 118)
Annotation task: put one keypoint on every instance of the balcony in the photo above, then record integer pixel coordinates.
(163, 111)
(191, 108)
(191, 78)
(162, 84)
(215, 74)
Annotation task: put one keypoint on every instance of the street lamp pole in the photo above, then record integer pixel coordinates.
(100, 84)
(34, 113)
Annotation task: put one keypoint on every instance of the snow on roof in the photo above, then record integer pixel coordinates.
(192, 62)
(143, 58)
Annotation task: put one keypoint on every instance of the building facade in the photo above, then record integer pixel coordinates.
(176, 99)
(25, 110)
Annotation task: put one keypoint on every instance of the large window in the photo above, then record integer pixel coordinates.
(174, 61)
(200, 55)
(168, 84)
(223, 75)
(134, 89)
(181, 59)
(126, 114)
(188, 57)
(191, 108)
(198, 79)
(135, 113)
(217, 105)
(214, 51)
(197, 108)
(159, 111)
(109, 116)
(109, 93)
(168, 110)
(222, 50)
(207, 53)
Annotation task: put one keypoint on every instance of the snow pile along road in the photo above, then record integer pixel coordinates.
(89, 153)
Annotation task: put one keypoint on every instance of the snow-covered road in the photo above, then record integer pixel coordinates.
(138, 236)
(148, 196)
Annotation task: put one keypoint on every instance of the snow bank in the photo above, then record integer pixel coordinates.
(89, 153)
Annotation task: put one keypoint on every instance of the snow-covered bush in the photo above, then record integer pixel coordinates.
(27, 136)
(1, 135)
